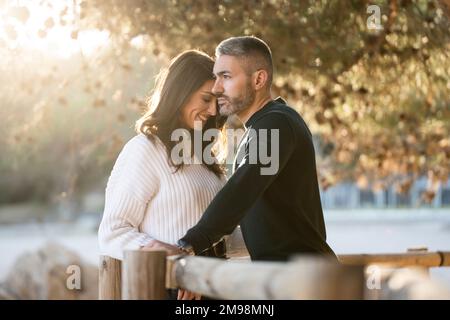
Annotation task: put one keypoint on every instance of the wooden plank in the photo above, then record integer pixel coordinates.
(109, 283)
(412, 258)
(303, 278)
(424, 259)
(144, 275)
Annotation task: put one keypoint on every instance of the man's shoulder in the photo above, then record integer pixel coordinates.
(280, 112)
(285, 110)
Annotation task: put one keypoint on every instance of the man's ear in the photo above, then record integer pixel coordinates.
(260, 78)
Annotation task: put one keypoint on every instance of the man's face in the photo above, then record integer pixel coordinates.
(233, 87)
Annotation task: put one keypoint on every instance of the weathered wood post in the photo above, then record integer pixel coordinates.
(109, 279)
(144, 275)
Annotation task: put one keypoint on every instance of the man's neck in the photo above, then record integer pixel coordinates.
(260, 102)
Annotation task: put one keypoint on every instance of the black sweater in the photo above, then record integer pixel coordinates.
(279, 214)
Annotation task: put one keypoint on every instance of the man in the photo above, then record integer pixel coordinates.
(280, 213)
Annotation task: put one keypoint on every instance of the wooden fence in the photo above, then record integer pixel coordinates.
(147, 274)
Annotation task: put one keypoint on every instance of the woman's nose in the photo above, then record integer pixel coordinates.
(212, 109)
(217, 88)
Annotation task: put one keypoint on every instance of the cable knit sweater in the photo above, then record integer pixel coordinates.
(145, 200)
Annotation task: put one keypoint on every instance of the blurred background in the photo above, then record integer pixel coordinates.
(373, 86)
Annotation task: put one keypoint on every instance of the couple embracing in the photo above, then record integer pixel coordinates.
(153, 201)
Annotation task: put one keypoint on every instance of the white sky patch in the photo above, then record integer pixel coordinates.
(58, 41)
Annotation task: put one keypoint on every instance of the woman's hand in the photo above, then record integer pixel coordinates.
(156, 244)
(188, 295)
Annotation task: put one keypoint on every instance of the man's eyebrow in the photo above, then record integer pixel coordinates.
(221, 73)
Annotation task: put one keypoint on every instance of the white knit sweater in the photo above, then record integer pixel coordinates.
(144, 199)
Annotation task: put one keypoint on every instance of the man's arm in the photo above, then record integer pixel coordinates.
(243, 188)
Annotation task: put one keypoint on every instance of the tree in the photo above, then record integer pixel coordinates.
(378, 99)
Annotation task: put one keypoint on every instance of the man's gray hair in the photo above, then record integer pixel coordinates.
(254, 50)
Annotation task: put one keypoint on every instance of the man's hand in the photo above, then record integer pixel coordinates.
(188, 295)
(155, 244)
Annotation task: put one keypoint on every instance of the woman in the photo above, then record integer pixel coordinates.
(150, 200)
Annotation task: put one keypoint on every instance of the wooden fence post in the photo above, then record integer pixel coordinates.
(144, 275)
(109, 279)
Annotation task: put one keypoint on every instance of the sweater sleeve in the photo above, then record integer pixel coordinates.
(131, 185)
(244, 187)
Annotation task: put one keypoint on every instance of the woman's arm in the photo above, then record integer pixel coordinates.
(131, 185)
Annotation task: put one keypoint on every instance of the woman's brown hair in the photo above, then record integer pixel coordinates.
(186, 73)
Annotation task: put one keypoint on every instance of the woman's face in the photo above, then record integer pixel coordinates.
(200, 106)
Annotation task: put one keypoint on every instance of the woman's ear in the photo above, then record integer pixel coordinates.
(261, 77)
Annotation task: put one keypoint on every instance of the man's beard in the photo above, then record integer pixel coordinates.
(235, 105)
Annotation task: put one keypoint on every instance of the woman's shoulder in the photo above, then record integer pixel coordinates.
(136, 170)
(140, 143)
(140, 154)
(140, 151)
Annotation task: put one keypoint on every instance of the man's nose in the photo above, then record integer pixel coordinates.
(217, 89)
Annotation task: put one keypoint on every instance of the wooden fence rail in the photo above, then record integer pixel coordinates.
(302, 278)
(146, 275)
(418, 259)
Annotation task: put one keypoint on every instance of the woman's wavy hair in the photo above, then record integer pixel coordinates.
(186, 73)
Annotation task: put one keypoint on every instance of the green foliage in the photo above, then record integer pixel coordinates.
(379, 97)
